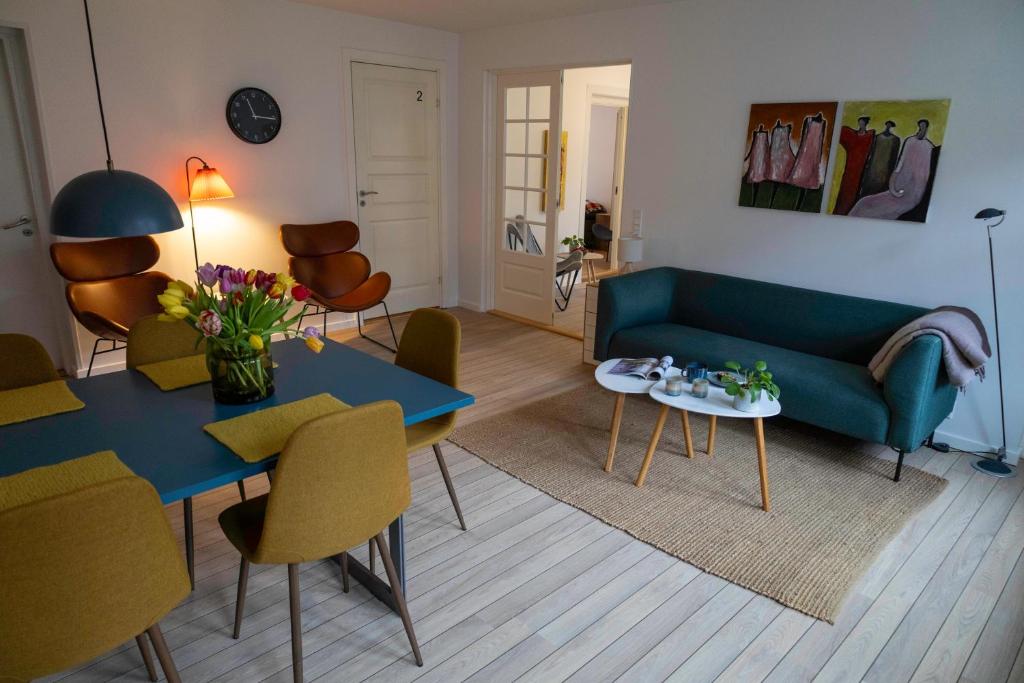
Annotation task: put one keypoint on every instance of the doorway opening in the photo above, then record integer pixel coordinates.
(547, 253)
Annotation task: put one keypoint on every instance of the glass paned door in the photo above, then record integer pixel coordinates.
(528, 122)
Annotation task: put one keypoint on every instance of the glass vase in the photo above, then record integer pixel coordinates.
(240, 376)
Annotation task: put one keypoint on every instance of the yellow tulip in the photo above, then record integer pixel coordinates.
(256, 341)
(276, 290)
(175, 290)
(315, 344)
(168, 300)
(182, 286)
(179, 312)
(285, 280)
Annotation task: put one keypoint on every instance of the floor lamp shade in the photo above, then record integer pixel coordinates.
(208, 184)
(113, 203)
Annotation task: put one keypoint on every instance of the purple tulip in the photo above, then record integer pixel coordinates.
(207, 274)
(310, 332)
(232, 280)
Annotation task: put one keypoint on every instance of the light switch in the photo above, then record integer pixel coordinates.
(638, 222)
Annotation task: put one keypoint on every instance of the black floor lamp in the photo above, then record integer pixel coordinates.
(996, 468)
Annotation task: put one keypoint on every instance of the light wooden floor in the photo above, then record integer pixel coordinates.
(539, 591)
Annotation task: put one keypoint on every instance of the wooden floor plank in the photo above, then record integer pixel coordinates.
(994, 654)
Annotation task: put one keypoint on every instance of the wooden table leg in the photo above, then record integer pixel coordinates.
(620, 399)
(712, 424)
(762, 463)
(655, 437)
(686, 434)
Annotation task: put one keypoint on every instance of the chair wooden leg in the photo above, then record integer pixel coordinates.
(712, 424)
(448, 483)
(147, 656)
(655, 437)
(373, 560)
(241, 489)
(243, 582)
(687, 434)
(163, 654)
(396, 590)
(613, 439)
(344, 573)
(762, 463)
(190, 546)
(296, 619)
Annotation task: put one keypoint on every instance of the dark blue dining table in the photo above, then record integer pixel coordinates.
(159, 434)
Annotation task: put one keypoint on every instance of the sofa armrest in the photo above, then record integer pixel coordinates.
(641, 298)
(918, 393)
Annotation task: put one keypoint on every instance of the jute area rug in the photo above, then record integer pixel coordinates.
(833, 509)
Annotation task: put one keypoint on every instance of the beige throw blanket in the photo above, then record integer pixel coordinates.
(964, 344)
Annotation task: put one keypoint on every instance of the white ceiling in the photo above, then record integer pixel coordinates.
(460, 16)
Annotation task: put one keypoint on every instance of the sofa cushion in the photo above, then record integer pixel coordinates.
(839, 396)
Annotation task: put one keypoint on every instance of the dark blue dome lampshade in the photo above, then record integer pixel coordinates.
(111, 203)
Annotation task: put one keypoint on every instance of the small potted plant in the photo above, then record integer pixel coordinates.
(747, 385)
(575, 243)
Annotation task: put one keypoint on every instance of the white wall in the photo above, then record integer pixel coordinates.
(167, 69)
(576, 86)
(601, 155)
(697, 66)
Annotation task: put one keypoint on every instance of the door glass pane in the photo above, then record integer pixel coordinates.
(535, 173)
(535, 235)
(515, 103)
(515, 168)
(535, 207)
(514, 203)
(540, 102)
(538, 138)
(512, 239)
(515, 138)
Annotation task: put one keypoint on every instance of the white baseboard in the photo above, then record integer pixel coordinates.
(965, 444)
(471, 305)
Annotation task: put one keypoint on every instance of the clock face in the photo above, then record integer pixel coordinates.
(253, 115)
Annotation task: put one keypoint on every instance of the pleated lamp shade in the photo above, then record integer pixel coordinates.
(208, 184)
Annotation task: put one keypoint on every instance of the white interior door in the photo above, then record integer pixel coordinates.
(24, 301)
(529, 125)
(621, 119)
(396, 142)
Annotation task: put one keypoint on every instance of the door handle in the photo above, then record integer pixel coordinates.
(367, 193)
(22, 220)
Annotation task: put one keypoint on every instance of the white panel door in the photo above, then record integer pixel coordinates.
(24, 301)
(396, 142)
(528, 126)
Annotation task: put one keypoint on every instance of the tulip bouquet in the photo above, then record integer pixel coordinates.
(237, 311)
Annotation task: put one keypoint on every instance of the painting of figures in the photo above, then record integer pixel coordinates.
(887, 156)
(786, 154)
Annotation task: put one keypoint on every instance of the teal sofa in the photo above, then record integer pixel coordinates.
(817, 344)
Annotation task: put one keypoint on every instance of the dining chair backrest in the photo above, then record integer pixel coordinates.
(430, 345)
(151, 340)
(24, 362)
(332, 275)
(89, 564)
(339, 481)
(109, 288)
(319, 239)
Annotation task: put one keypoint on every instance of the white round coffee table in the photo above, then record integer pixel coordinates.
(620, 385)
(717, 404)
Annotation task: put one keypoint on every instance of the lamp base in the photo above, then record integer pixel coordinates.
(994, 468)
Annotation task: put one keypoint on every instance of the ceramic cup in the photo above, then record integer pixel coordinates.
(674, 385)
(696, 370)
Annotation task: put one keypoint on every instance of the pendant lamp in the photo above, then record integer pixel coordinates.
(111, 203)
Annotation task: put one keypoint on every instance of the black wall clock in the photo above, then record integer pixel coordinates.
(253, 115)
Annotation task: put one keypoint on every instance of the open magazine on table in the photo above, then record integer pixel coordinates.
(651, 369)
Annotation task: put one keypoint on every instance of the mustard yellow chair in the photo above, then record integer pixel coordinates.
(151, 340)
(24, 362)
(88, 562)
(430, 347)
(340, 480)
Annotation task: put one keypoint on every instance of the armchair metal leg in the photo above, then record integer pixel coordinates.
(899, 465)
(448, 483)
(147, 656)
(296, 619)
(97, 352)
(243, 582)
(344, 573)
(396, 590)
(163, 654)
(359, 326)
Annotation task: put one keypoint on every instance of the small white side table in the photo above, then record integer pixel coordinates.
(620, 385)
(717, 404)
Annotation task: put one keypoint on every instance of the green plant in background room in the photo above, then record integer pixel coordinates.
(237, 312)
(747, 385)
(574, 242)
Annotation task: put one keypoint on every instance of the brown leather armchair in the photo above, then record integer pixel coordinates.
(339, 278)
(109, 287)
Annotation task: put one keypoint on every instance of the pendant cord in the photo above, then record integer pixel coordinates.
(96, 79)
